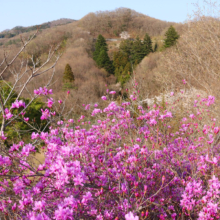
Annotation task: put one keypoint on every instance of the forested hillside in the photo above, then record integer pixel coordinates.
(77, 42)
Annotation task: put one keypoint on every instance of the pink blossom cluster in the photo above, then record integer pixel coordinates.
(50, 102)
(131, 165)
(45, 114)
(8, 114)
(18, 104)
(43, 91)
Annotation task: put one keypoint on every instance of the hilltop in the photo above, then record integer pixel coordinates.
(112, 23)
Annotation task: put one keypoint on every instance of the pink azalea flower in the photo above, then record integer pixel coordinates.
(18, 104)
(50, 102)
(45, 114)
(43, 91)
(26, 119)
(130, 216)
(8, 114)
(216, 130)
(39, 205)
(112, 92)
(87, 107)
(2, 136)
(71, 121)
(34, 135)
(104, 98)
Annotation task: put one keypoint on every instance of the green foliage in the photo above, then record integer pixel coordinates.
(103, 61)
(125, 74)
(68, 74)
(138, 51)
(130, 54)
(10, 42)
(122, 67)
(5, 90)
(100, 44)
(171, 37)
(68, 86)
(126, 47)
(19, 129)
(100, 55)
(147, 44)
(120, 59)
(7, 35)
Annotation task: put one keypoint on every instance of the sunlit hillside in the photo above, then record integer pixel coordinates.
(77, 44)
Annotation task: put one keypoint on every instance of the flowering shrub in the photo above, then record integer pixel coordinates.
(131, 164)
(18, 117)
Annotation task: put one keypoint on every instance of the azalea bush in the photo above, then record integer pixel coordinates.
(130, 164)
(20, 126)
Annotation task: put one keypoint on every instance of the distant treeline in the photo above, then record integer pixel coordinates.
(19, 29)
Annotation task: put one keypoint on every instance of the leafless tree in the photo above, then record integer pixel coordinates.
(22, 70)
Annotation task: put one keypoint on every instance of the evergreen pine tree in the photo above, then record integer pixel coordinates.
(147, 44)
(126, 46)
(122, 67)
(127, 69)
(100, 55)
(100, 44)
(103, 61)
(120, 59)
(68, 74)
(171, 37)
(126, 73)
(138, 51)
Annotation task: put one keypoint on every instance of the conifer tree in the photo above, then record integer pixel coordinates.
(122, 67)
(100, 55)
(68, 74)
(120, 59)
(147, 44)
(126, 46)
(100, 44)
(171, 37)
(138, 51)
(103, 61)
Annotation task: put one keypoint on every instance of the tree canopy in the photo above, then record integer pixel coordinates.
(147, 44)
(100, 55)
(100, 44)
(68, 74)
(171, 37)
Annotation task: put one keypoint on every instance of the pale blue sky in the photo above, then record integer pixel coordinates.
(28, 12)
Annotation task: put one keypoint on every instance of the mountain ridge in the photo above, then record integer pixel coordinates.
(8, 33)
